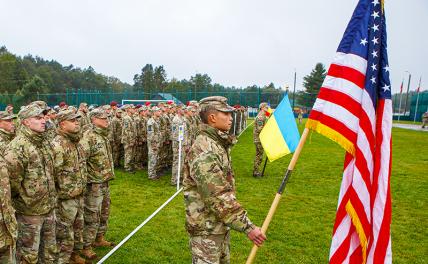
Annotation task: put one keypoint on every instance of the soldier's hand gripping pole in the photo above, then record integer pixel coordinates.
(275, 202)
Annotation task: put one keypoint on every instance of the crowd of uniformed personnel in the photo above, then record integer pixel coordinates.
(56, 165)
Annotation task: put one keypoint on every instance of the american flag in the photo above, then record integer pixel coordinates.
(354, 108)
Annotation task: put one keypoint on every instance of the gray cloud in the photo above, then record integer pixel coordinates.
(237, 43)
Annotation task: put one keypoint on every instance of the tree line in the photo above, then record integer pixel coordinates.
(22, 78)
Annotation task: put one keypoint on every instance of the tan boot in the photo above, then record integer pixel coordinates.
(101, 242)
(77, 259)
(89, 253)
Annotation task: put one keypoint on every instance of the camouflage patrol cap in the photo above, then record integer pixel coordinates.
(127, 106)
(73, 108)
(66, 115)
(155, 108)
(41, 104)
(6, 116)
(142, 108)
(30, 110)
(263, 105)
(98, 113)
(219, 103)
(50, 111)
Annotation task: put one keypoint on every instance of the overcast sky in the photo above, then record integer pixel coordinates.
(236, 42)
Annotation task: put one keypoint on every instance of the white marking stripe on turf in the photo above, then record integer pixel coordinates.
(138, 228)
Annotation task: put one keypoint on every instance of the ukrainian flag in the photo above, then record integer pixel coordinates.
(280, 135)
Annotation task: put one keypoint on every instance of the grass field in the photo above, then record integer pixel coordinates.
(301, 229)
(407, 122)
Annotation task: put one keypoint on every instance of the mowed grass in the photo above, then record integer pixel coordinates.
(301, 229)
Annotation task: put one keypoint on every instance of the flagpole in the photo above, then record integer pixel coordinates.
(278, 195)
(407, 93)
(399, 105)
(417, 99)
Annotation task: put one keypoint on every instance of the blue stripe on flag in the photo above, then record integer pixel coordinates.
(287, 124)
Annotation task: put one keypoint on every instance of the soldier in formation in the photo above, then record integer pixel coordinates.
(177, 137)
(100, 171)
(30, 167)
(70, 182)
(116, 128)
(129, 138)
(7, 129)
(154, 135)
(209, 188)
(259, 123)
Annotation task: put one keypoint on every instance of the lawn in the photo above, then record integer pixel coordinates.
(301, 229)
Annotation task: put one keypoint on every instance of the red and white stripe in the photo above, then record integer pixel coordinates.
(380, 243)
(344, 106)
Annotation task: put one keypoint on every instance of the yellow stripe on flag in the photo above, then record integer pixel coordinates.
(272, 140)
(358, 227)
(331, 134)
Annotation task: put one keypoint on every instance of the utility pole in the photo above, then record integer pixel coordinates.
(294, 89)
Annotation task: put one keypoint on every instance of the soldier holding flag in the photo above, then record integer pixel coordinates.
(209, 188)
(259, 123)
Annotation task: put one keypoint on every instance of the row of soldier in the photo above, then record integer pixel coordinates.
(56, 168)
(142, 135)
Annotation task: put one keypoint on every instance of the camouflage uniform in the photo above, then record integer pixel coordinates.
(176, 123)
(117, 147)
(70, 179)
(141, 152)
(190, 129)
(245, 111)
(5, 138)
(8, 224)
(233, 128)
(84, 121)
(164, 139)
(100, 169)
(259, 123)
(138, 157)
(153, 146)
(143, 135)
(170, 152)
(209, 193)
(51, 128)
(129, 141)
(30, 167)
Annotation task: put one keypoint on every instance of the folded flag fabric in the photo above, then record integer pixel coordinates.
(280, 135)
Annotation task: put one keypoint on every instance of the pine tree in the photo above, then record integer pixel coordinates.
(312, 84)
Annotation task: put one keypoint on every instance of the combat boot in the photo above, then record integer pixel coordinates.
(101, 242)
(88, 253)
(76, 258)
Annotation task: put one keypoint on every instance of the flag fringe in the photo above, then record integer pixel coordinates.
(331, 134)
(359, 228)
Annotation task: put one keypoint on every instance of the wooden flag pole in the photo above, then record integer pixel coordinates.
(275, 202)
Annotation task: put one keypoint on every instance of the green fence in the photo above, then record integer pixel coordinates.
(77, 96)
(422, 106)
